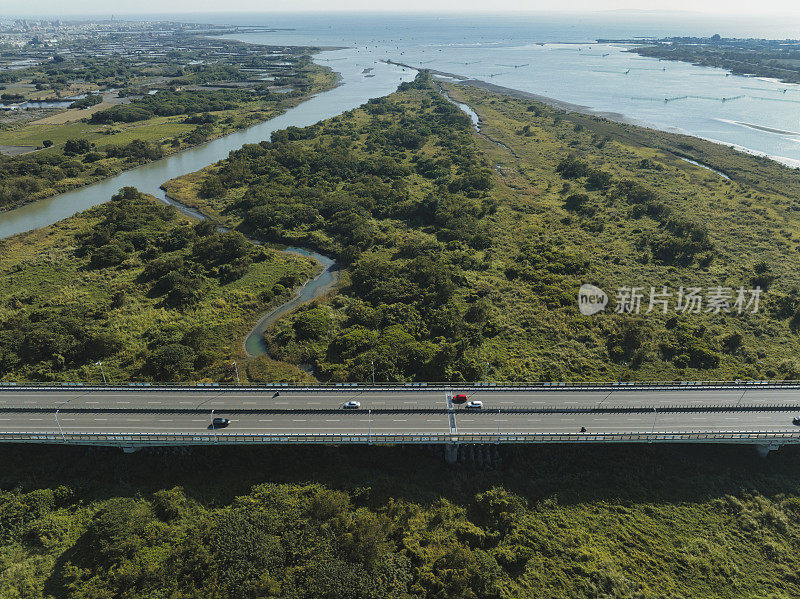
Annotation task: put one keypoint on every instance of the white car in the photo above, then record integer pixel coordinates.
(352, 405)
(474, 405)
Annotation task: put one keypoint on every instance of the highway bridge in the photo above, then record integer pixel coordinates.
(137, 415)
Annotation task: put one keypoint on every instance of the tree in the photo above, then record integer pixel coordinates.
(211, 187)
(72, 147)
(171, 362)
(312, 324)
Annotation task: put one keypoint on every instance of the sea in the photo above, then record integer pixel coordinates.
(557, 56)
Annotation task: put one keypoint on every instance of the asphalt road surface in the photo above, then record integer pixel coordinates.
(399, 410)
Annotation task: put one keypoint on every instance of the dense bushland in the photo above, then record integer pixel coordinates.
(133, 285)
(452, 264)
(622, 522)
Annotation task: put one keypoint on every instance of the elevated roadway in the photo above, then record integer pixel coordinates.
(135, 415)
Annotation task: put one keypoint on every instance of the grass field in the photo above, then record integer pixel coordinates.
(44, 272)
(635, 522)
(680, 225)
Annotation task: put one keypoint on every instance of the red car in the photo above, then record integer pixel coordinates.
(459, 398)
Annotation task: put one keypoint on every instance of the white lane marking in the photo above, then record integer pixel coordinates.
(167, 420)
(103, 419)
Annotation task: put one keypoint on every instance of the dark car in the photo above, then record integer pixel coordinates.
(796, 420)
(219, 422)
(459, 398)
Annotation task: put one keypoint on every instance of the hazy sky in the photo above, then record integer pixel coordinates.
(119, 7)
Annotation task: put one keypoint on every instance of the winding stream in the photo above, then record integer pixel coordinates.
(356, 87)
(254, 343)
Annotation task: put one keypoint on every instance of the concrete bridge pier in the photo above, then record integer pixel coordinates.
(451, 453)
(763, 449)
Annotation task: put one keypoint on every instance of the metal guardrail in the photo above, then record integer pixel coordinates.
(426, 386)
(459, 409)
(164, 439)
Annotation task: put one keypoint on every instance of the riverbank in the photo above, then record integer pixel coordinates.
(523, 95)
(354, 89)
(159, 138)
(567, 106)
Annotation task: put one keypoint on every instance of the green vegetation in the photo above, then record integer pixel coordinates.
(88, 101)
(459, 249)
(130, 283)
(117, 132)
(778, 59)
(567, 522)
(462, 249)
(168, 103)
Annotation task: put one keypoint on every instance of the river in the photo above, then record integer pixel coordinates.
(355, 89)
(601, 77)
(554, 56)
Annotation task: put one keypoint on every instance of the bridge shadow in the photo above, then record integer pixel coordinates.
(568, 474)
(573, 473)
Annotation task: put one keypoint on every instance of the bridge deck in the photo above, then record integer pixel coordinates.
(160, 415)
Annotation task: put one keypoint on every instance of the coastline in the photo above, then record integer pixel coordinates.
(621, 118)
(523, 95)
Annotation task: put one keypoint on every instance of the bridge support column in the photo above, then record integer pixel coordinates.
(763, 449)
(451, 453)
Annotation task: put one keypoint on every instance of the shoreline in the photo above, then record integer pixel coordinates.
(619, 118)
(605, 114)
(523, 95)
